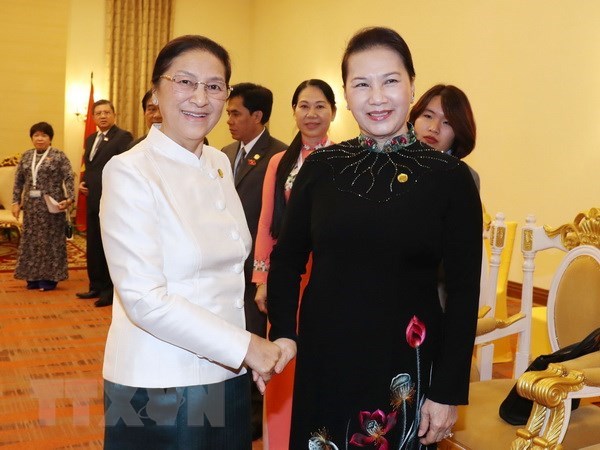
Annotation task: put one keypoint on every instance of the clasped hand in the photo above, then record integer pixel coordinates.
(267, 358)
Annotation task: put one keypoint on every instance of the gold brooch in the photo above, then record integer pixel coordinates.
(402, 178)
(220, 172)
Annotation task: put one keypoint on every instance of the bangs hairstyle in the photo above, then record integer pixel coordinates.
(368, 38)
(43, 127)
(458, 112)
(187, 43)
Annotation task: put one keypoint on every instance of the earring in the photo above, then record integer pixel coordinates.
(154, 100)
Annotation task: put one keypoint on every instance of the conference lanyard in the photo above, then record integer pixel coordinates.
(36, 167)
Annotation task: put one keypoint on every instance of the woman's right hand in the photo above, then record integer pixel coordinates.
(16, 210)
(261, 297)
(261, 357)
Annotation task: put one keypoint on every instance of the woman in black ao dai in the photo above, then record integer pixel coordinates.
(379, 363)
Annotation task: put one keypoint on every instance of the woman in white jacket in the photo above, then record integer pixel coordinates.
(176, 239)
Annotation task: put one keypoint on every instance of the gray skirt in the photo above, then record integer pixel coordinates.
(214, 416)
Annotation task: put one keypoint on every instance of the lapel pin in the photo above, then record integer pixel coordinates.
(220, 172)
(402, 178)
(252, 162)
(256, 157)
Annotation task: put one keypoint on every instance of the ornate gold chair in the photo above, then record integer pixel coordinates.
(573, 312)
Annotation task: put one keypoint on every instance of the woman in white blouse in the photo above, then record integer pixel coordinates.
(176, 239)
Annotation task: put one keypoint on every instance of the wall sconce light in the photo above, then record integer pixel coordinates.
(80, 114)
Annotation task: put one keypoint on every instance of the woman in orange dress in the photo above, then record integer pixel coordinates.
(314, 108)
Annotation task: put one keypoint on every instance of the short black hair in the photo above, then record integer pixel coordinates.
(255, 98)
(103, 102)
(44, 127)
(145, 99)
(458, 112)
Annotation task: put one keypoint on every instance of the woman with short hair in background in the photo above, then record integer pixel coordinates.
(42, 171)
(443, 119)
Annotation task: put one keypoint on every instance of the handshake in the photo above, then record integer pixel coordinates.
(267, 358)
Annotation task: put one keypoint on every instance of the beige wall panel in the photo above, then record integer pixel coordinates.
(33, 37)
(531, 70)
(85, 54)
(229, 22)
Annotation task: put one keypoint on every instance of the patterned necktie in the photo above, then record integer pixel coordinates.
(95, 149)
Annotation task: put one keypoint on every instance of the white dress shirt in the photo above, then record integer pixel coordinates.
(175, 239)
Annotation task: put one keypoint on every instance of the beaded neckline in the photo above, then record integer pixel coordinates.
(393, 145)
(379, 175)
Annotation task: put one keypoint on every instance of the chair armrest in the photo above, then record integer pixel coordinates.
(488, 324)
(551, 386)
(483, 311)
(588, 361)
(548, 389)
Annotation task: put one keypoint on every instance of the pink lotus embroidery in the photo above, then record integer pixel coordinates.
(415, 335)
(415, 332)
(376, 425)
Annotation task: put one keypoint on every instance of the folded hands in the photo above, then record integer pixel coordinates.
(266, 358)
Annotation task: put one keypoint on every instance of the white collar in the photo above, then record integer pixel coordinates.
(250, 144)
(167, 147)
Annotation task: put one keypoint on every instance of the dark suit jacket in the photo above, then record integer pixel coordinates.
(249, 187)
(116, 141)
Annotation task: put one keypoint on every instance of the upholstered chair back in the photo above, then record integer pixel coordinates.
(576, 298)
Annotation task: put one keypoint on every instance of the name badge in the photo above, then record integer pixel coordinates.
(35, 193)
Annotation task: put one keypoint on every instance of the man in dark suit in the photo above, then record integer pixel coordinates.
(108, 141)
(249, 109)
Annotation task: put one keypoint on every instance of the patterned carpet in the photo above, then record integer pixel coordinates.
(75, 253)
(51, 351)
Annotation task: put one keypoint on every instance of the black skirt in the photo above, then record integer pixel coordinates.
(214, 416)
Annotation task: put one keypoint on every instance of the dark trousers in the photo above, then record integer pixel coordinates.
(211, 417)
(97, 267)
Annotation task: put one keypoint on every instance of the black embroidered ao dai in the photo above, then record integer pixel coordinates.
(373, 341)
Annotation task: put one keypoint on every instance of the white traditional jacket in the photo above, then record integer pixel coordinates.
(175, 239)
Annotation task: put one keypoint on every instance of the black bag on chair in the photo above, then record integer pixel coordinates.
(516, 409)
